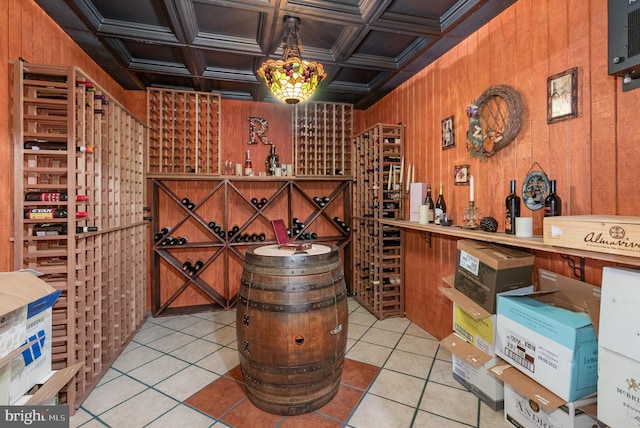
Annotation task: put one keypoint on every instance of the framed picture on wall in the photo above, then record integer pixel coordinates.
(461, 175)
(448, 136)
(562, 96)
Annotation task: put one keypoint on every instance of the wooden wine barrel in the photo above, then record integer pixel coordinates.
(291, 322)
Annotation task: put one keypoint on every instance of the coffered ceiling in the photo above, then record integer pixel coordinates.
(367, 47)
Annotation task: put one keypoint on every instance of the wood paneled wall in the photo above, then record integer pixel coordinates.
(592, 157)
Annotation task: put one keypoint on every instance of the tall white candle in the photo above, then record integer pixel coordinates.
(389, 182)
(471, 188)
(413, 173)
(401, 170)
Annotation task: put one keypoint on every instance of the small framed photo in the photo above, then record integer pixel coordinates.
(448, 136)
(562, 96)
(461, 175)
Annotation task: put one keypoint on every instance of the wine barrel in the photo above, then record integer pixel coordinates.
(291, 322)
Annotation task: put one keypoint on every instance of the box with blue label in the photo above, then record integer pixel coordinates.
(484, 270)
(25, 307)
(548, 339)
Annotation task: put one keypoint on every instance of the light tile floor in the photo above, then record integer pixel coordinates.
(172, 358)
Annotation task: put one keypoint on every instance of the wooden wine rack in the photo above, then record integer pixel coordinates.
(378, 273)
(184, 132)
(227, 202)
(102, 274)
(322, 134)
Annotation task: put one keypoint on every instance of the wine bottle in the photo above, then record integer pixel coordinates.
(187, 266)
(52, 196)
(248, 166)
(552, 203)
(55, 229)
(49, 213)
(428, 201)
(440, 208)
(183, 240)
(44, 145)
(273, 161)
(84, 149)
(513, 210)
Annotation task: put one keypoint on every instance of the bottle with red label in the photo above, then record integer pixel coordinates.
(52, 196)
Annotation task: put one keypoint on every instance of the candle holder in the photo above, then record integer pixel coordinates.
(470, 216)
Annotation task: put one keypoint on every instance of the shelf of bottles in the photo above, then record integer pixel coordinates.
(322, 134)
(184, 132)
(377, 248)
(74, 144)
(202, 228)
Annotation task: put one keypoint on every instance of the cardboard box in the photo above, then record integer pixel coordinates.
(483, 270)
(46, 393)
(618, 389)
(31, 328)
(470, 366)
(548, 340)
(417, 194)
(601, 233)
(619, 329)
(528, 404)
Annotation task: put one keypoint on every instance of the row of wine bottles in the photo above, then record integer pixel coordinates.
(437, 211)
(191, 268)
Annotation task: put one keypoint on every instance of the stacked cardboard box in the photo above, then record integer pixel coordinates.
(482, 272)
(549, 347)
(619, 348)
(25, 333)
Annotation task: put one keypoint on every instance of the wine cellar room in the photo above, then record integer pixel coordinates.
(214, 247)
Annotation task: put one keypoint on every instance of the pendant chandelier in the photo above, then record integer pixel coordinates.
(291, 79)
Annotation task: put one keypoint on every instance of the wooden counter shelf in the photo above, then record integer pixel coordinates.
(533, 243)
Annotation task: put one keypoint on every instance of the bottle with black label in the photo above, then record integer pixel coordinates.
(552, 203)
(55, 229)
(440, 208)
(273, 161)
(513, 210)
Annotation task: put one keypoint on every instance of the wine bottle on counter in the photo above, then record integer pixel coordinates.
(440, 207)
(248, 166)
(552, 203)
(49, 213)
(52, 196)
(513, 210)
(273, 161)
(428, 201)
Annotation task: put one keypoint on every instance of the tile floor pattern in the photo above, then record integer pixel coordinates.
(183, 371)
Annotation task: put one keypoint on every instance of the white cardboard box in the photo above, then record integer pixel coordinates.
(417, 194)
(547, 340)
(470, 366)
(620, 303)
(19, 290)
(618, 389)
(527, 404)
